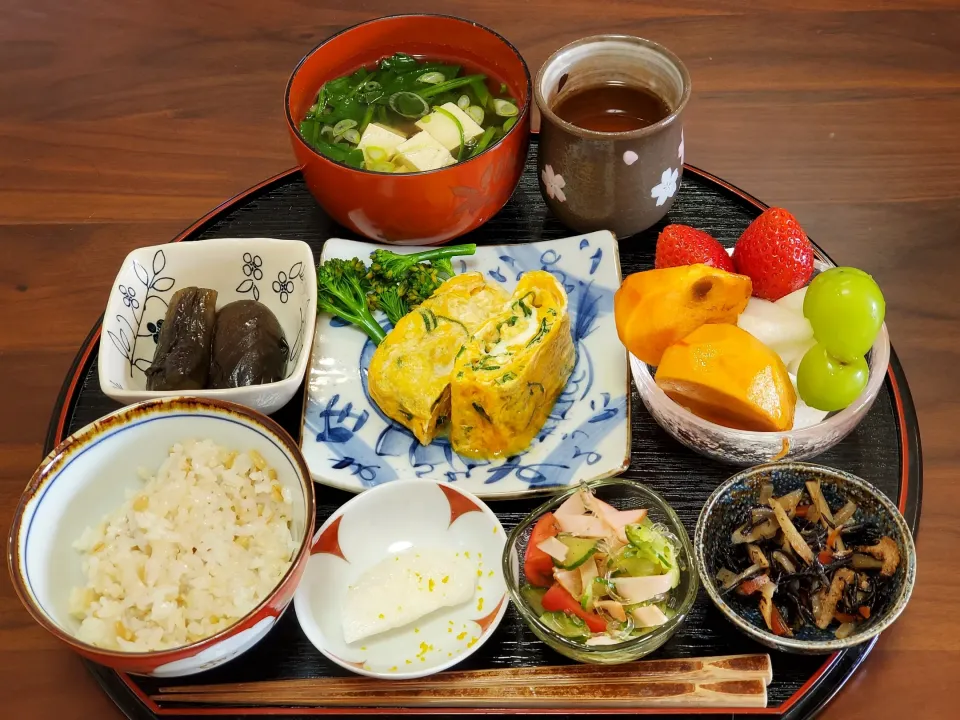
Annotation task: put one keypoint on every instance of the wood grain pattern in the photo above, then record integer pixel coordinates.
(122, 122)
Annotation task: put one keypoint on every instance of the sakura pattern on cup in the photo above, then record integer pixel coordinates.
(554, 184)
(668, 180)
(667, 187)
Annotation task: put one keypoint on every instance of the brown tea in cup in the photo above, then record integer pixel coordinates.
(611, 107)
(611, 149)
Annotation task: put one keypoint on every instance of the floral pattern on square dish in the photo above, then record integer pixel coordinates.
(350, 444)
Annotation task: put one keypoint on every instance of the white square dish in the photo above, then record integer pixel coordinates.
(278, 273)
(350, 444)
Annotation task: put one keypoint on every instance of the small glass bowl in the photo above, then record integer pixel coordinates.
(745, 447)
(623, 494)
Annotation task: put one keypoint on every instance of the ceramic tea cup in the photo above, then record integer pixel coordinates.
(620, 181)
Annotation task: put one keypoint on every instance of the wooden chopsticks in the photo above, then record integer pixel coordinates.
(724, 681)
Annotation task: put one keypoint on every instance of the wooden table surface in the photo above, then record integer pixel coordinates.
(121, 122)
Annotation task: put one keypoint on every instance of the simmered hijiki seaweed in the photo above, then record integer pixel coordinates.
(807, 564)
(407, 115)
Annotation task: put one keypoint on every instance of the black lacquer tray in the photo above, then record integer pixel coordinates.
(884, 449)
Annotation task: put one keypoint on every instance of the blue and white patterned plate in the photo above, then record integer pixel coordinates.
(350, 444)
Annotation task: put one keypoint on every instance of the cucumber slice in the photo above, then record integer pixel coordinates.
(579, 550)
(597, 590)
(655, 544)
(633, 563)
(566, 625)
(534, 597)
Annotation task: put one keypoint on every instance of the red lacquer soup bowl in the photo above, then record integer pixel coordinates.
(425, 208)
(91, 473)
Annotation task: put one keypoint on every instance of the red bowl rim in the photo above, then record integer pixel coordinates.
(51, 464)
(524, 111)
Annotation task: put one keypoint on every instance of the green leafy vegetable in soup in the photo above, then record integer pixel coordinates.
(408, 115)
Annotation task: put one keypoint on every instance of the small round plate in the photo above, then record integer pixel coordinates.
(381, 523)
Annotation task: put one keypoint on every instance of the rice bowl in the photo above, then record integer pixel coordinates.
(204, 541)
(91, 479)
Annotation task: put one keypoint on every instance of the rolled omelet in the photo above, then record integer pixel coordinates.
(511, 372)
(409, 376)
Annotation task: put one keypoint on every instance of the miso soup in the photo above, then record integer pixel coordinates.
(408, 114)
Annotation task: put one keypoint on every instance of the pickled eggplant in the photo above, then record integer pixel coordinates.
(248, 347)
(182, 358)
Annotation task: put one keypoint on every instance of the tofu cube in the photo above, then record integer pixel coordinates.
(423, 152)
(443, 129)
(383, 137)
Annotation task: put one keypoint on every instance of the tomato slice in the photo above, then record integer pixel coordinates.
(557, 599)
(537, 565)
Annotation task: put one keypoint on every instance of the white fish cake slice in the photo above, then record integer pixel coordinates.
(404, 588)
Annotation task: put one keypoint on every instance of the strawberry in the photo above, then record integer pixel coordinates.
(775, 253)
(684, 245)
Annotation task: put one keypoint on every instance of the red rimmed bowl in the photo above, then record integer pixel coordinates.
(424, 208)
(88, 476)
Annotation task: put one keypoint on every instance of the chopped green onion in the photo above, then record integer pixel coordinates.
(475, 113)
(327, 131)
(341, 127)
(352, 136)
(463, 102)
(483, 141)
(376, 154)
(409, 104)
(444, 111)
(431, 78)
(504, 108)
(509, 124)
(367, 117)
(382, 166)
(503, 88)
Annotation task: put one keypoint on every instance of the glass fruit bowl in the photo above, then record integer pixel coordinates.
(745, 447)
(623, 494)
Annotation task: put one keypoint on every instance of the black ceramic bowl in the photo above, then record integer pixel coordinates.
(726, 509)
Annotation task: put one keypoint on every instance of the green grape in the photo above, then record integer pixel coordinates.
(827, 383)
(845, 307)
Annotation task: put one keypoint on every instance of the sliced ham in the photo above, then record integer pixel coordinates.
(642, 589)
(584, 526)
(573, 505)
(588, 573)
(649, 616)
(612, 608)
(616, 520)
(554, 548)
(570, 581)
